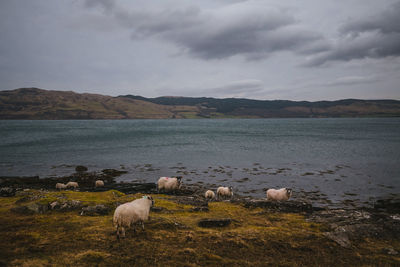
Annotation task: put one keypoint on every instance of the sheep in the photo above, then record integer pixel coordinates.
(282, 194)
(128, 214)
(72, 184)
(209, 194)
(99, 183)
(168, 184)
(224, 192)
(60, 186)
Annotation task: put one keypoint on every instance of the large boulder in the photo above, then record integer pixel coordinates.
(7, 192)
(31, 208)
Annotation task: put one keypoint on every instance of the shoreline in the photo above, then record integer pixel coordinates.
(121, 180)
(260, 229)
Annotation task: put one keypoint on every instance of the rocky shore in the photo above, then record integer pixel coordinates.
(201, 232)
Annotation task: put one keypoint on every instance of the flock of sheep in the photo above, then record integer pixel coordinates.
(137, 211)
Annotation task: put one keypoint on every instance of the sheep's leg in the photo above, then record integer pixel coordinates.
(123, 231)
(142, 222)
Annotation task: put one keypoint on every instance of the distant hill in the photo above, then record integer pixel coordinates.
(236, 107)
(34, 103)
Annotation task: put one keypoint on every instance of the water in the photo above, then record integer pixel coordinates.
(335, 159)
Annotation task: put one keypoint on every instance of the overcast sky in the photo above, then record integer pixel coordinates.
(266, 49)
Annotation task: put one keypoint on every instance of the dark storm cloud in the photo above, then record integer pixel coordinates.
(376, 37)
(251, 30)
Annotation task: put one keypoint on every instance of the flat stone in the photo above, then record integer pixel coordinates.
(207, 223)
(95, 210)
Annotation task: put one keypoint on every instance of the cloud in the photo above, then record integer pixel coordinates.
(107, 5)
(351, 80)
(376, 37)
(248, 28)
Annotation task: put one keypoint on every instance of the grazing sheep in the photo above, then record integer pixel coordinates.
(72, 184)
(169, 184)
(131, 213)
(60, 186)
(282, 194)
(99, 183)
(224, 192)
(209, 194)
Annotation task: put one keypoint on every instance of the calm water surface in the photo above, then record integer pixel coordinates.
(337, 159)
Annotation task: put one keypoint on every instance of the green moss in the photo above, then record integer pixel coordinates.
(172, 237)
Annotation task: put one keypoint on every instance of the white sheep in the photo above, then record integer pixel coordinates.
(60, 186)
(72, 184)
(282, 194)
(99, 183)
(209, 194)
(131, 213)
(169, 184)
(224, 192)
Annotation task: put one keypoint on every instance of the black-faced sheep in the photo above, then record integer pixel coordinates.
(131, 213)
(282, 194)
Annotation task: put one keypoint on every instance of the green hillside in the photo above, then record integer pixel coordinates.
(34, 103)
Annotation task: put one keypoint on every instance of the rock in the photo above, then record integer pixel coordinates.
(339, 237)
(7, 192)
(214, 222)
(157, 209)
(71, 205)
(31, 208)
(389, 205)
(113, 172)
(95, 210)
(199, 209)
(284, 206)
(81, 168)
(390, 251)
(133, 188)
(54, 205)
(24, 210)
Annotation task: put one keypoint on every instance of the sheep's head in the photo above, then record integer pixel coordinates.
(289, 192)
(231, 190)
(150, 198)
(179, 179)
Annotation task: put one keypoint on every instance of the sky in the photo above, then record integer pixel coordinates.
(259, 49)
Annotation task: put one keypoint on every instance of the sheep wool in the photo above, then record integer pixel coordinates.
(60, 186)
(209, 194)
(72, 184)
(282, 194)
(169, 184)
(131, 213)
(224, 192)
(99, 183)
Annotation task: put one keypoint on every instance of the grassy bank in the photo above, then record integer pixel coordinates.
(256, 237)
